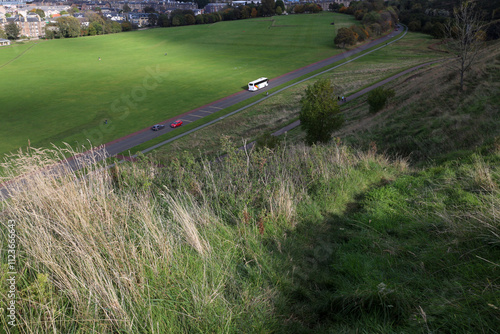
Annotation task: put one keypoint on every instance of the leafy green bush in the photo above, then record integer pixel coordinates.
(377, 98)
(320, 114)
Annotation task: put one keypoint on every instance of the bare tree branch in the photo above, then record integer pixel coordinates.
(466, 36)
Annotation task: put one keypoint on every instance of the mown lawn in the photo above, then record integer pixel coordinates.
(59, 91)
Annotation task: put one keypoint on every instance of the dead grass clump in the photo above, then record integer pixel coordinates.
(94, 243)
(190, 217)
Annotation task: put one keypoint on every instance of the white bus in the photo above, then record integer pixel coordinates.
(258, 84)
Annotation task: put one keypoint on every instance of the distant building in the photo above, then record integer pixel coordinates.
(244, 2)
(140, 19)
(177, 5)
(215, 7)
(4, 42)
(31, 26)
(13, 2)
(323, 3)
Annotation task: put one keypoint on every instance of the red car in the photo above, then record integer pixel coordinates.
(176, 124)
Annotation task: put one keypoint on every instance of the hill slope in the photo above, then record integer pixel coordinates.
(297, 240)
(429, 117)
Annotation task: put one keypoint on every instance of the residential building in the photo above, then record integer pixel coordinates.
(4, 42)
(139, 19)
(215, 7)
(31, 26)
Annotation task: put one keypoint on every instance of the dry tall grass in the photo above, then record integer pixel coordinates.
(100, 249)
(94, 243)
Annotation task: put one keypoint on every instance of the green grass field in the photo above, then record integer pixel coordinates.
(59, 91)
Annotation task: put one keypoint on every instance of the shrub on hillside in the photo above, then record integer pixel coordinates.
(377, 98)
(320, 114)
(345, 36)
(360, 33)
(415, 26)
(267, 141)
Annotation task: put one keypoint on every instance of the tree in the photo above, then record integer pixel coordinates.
(178, 20)
(415, 25)
(126, 8)
(92, 30)
(12, 30)
(438, 30)
(38, 11)
(2, 33)
(466, 37)
(268, 7)
(163, 20)
(153, 19)
(199, 19)
(376, 29)
(149, 9)
(189, 19)
(69, 26)
(73, 9)
(299, 9)
(96, 27)
(281, 4)
(116, 27)
(49, 33)
(320, 114)
(345, 36)
(94, 17)
(378, 98)
(126, 26)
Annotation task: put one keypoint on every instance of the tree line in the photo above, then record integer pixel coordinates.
(376, 18)
(229, 13)
(431, 17)
(69, 26)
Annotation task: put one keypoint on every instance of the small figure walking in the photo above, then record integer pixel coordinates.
(267, 93)
(106, 121)
(342, 99)
(99, 58)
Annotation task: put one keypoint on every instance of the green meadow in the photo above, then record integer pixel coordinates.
(59, 91)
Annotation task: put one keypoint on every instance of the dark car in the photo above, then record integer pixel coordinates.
(176, 124)
(157, 127)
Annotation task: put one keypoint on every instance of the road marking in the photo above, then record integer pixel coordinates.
(199, 116)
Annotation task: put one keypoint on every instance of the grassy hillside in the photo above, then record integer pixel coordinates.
(59, 91)
(430, 118)
(322, 239)
(299, 240)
